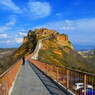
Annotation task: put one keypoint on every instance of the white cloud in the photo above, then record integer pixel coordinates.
(2, 41)
(10, 5)
(86, 24)
(34, 9)
(18, 40)
(23, 30)
(7, 26)
(12, 41)
(12, 20)
(79, 31)
(22, 34)
(39, 9)
(80, 25)
(59, 15)
(3, 36)
(16, 35)
(10, 23)
(8, 42)
(4, 28)
(59, 25)
(69, 22)
(67, 28)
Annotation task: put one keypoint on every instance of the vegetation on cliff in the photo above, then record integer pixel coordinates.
(64, 56)
(6, 58)
(55, 50)
(28, 46)
(6, 51)
(25, 49)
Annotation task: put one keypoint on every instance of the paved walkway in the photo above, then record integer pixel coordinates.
(31, 81)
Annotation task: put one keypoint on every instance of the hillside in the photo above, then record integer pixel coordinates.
(65, 56)
(56, 49)
(28, 45)
(30, 41)
(6, 51)
(87, 53)
(6, 58)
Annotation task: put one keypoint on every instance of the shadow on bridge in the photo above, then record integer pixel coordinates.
(53, 87)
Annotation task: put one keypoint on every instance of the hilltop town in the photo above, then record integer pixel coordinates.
(55, 49)
(44, 32)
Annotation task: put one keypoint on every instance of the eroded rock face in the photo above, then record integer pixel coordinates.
(61, 39)
(25, 39)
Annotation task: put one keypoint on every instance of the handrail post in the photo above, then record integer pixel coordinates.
(57, 74)
(1, 88)
(84, 84)
(51, 71)
(67, 78)
(42, 67)
(8, 77)
(46, 68)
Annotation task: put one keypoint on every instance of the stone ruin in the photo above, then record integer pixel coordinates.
(44, 32)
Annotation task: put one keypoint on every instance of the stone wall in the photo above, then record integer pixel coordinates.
(45, 32)
(61, 38)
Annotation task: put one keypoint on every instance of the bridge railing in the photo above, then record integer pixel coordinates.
(8, 77)
(76, 81)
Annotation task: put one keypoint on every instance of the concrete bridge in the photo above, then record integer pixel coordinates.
(38, 78)
(31, 81)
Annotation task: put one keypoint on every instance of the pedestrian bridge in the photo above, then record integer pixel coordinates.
(38, 78)
(31, 81)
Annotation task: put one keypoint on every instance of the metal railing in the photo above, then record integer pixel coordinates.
(78, 82)
(7, 78)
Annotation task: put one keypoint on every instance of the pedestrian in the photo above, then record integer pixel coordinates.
(23, 60)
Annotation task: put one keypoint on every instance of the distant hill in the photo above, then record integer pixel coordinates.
(6, 58)
(6, 51)
(87, 53)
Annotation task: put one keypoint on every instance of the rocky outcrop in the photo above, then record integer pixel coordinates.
(51, 47)
(60, 39)
(25, 39)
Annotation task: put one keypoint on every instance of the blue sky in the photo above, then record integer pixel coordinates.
(76, 18)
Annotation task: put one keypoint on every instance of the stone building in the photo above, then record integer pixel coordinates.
(45, 32)
(61, 37)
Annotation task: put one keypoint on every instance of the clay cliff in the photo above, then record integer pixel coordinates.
(61, 39)
(55, 49)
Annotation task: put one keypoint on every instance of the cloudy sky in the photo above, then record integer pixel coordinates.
(76, 18)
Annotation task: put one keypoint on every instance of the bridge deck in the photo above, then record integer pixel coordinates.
(31, 81)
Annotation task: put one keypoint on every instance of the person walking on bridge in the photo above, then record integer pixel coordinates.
(23, 60)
